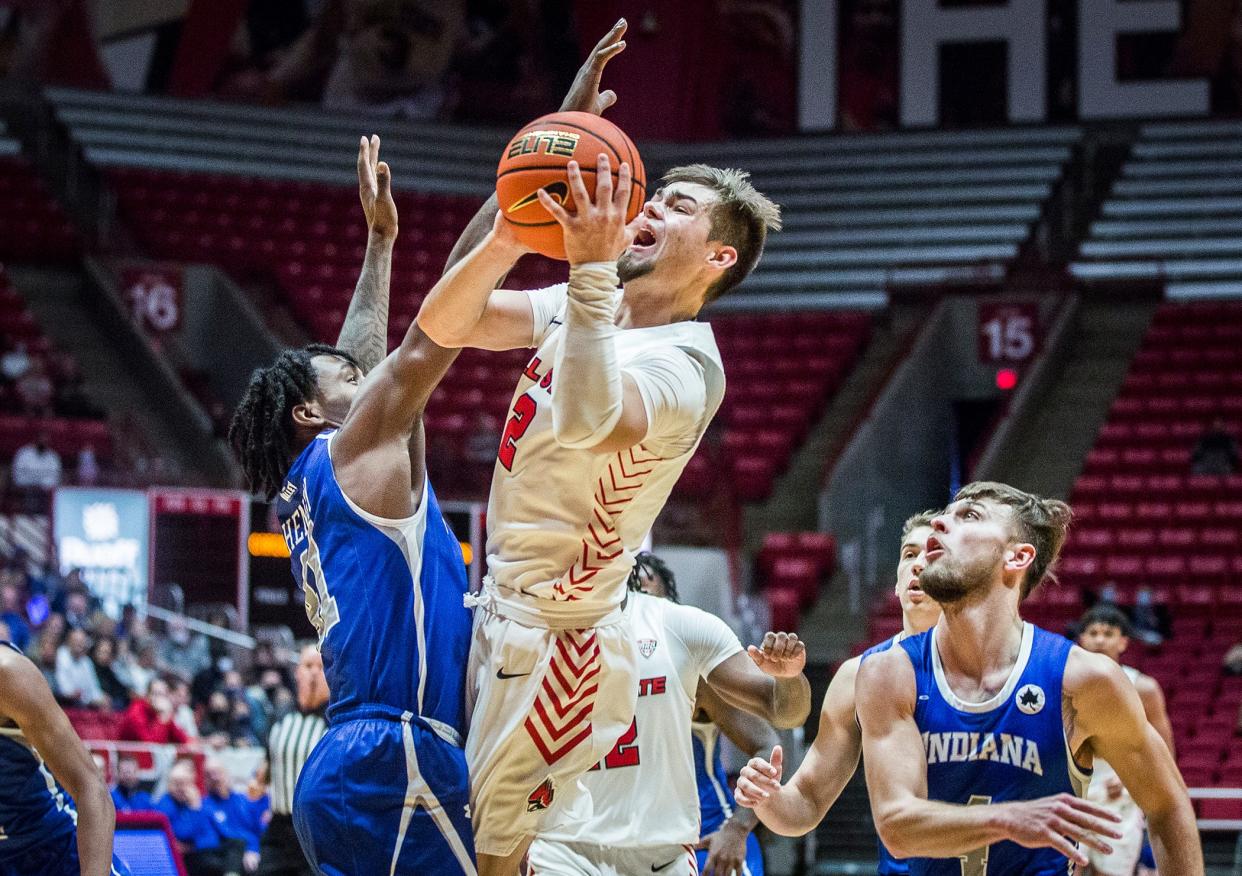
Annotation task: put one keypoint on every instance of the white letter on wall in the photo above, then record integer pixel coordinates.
(925, 27)
(1100, 95)
(817, 66)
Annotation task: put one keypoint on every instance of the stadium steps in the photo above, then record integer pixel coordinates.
(1057, 429)
(60, 303)
(792, 504)
(1173, 214)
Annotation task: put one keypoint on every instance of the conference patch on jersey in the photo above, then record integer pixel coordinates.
(646, 647)
(1031, 699)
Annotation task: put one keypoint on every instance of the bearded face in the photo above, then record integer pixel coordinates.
(952, 579)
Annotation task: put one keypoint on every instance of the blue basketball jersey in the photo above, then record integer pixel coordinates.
(887, 865)
(34, 809)
(1011, 747)
(385, 596)
(716, 803)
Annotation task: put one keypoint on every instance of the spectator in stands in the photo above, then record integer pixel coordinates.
(142, 669)
(1148, 621)
(182, 653)
(103, 656)
(183, 712)
(1216, 452)
(34, 389)
(217, 719)
(70, 398)
(43, 650)
(150, 718)
(233, 813)
(78, 609)
(77, 685)
(13, 615)
(15, 362)
(198, 839)
(127, 793)
(88, 466)
(36, 466)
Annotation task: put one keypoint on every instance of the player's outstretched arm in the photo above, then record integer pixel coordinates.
(767, 681)
(796, 808)
(910, 825)
(726, 848)
(1109, 714)
(28, 701)
(364, 334)
(465, 309)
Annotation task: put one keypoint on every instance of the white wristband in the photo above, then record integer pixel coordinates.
(587, 396)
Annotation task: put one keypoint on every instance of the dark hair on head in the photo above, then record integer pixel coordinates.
(262, 428)
(1040, 522)
(914, 521)
(741, 217)
(1107, 614)
(657, 568)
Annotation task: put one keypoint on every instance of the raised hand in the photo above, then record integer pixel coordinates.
(596, 231)
(584, 95)
(781, 655)
(375, 189)
(1055, 822)
(760, 779)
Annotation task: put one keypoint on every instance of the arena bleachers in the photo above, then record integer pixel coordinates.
(866, 213)
(33, 227)
(1174, 214)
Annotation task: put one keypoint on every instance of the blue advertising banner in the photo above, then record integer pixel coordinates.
(106, 534)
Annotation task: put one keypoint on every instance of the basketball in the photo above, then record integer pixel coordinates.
(535, 158)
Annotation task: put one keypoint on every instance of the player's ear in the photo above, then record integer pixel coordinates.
(1019, 557)
(308, 414)
(722, 256)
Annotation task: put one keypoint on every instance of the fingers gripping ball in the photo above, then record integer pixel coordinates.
(536, 157)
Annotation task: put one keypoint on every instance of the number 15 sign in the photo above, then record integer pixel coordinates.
(1008, 332)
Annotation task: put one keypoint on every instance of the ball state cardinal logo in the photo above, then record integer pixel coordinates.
(541, 797)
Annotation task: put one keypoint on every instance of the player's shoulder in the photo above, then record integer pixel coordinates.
(680, 617)
(887, 667)
(1087, 671)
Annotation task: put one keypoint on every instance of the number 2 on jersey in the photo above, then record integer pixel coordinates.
(976, 863)
(625, 752)
(524, 410)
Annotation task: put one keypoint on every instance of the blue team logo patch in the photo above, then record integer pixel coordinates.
(646, 647)
(1030, 699)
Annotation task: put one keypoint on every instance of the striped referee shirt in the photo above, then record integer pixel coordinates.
(288, 746)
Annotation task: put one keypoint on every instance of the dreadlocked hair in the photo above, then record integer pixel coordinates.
(656, 568)
(262, 428)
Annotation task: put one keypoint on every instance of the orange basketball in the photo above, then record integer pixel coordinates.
(536, 158)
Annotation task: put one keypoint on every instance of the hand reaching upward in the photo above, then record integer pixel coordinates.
(781, 655)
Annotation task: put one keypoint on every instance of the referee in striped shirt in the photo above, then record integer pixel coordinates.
(288, 746)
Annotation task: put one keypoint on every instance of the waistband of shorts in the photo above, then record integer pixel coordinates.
(381, 712)
(541, 613)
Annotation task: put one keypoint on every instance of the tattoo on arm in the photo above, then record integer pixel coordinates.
(365, 332)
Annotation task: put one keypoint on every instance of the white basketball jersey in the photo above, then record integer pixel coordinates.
(1102, 771)
(564, 523)
(644, 791)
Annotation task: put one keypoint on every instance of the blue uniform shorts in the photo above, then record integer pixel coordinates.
(350, 807)
(754, 857)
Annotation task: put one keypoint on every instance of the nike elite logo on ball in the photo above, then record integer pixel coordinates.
(556, 190)
(502, 675)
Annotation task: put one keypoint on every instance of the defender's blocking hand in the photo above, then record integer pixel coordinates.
(782, 655)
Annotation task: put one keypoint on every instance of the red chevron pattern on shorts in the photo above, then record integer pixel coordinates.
(614, 490)
(561, 717)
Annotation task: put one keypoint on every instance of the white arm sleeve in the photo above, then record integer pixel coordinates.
(546, 305)
(674, 392)
(587, 400)
(707, 639)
